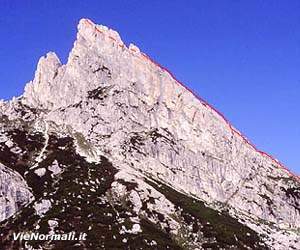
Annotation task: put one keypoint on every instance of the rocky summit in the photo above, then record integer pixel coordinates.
(112, 145)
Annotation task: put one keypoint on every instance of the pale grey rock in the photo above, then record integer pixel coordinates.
(9, 143)
(142, 194)
(52, 223)
(41, 207)
(55, 168)
(40, 172)
(46, 72)
(114, 97)
(14, 192)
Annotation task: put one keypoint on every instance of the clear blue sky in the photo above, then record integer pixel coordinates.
(242, 56)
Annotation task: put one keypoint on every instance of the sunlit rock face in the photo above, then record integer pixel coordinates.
(111, 107)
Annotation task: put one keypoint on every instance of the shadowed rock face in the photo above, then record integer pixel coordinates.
(117, 213)
(111, 145)
(14, 192)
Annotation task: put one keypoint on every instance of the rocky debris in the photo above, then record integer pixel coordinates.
(42, 207)
(156, 166)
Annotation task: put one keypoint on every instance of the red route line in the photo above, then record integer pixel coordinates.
(205, 103)
(112, 38)
(134, 50)
(99, 30)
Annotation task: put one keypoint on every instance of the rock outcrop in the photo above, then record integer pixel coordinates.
(170, 155)
(14, 192)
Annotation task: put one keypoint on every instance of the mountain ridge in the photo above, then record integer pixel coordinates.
(114, 104)
(115, 37)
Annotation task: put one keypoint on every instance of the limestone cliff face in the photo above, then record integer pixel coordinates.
(118, 104)
(14, 192)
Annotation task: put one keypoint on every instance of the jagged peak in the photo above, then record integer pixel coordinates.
(47, 66)
(50, 59)
(117, 102)
(101, 36)
(89, 30)
(46, 89)
(47, 70)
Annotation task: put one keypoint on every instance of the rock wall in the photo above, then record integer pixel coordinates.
(14, 192)
(136, 114)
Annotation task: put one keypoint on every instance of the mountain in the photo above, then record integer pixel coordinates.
(112, 145)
